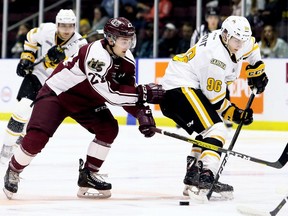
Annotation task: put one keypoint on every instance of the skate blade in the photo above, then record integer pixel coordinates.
(197, 195)
(185, 190)
(8, 194)
(94, 194)
(200, 196)
(194, 189)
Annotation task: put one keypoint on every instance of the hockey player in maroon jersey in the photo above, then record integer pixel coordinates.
(102, 71)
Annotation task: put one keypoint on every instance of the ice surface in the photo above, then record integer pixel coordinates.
(146, 176)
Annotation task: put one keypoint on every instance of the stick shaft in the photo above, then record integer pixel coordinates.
(277, 164)
(280, 205)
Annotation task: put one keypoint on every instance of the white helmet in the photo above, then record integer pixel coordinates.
(65, 16)
(238, 27)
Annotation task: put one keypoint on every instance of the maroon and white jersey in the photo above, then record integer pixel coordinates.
(92, 77)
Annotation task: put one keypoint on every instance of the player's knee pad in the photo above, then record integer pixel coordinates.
(34, 141)
(24, 109)
(218, 131)
(215, 135)
(109, 131)
(20, 116)
(210, 158)
(213, 141)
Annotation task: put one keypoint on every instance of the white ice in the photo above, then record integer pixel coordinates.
(146, 176)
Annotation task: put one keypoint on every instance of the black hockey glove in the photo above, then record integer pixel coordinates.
(256, 76)
(24, 67)
(233, 113)
(150, 93)
(56, 54)
(146, 121)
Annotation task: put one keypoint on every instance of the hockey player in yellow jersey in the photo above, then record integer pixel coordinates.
(54, 42)
(196, 83)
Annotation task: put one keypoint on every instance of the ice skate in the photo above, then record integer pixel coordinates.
(220, 191)
(92, 185)
(11, 180)
(191, 179)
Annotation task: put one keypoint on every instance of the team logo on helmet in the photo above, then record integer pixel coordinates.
(95, 65)
(247, 28)
(116, 22)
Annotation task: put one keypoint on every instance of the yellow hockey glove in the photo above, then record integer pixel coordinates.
(235, 114)
(257, 77)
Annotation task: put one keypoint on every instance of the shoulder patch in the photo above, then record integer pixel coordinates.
(95, 65)
(218, 63)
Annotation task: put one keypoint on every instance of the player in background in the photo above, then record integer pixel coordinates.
(212, 22)
(102, 71)
(196, 83)
(56, 42)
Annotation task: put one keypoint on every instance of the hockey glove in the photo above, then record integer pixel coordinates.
(257, 77)
(24, 67)
(146, 121)
(233, 113)
(150, 93)
(55, 54)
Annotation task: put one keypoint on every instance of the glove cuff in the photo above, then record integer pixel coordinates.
(142, 93)
(144, 111)
(28, 55)
(229, 113)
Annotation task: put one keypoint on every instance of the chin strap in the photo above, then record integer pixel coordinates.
(112, 53)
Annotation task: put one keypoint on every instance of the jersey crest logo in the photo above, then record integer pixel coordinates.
(218, 63)
(95, 65)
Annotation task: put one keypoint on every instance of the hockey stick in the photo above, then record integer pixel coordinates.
(233, 141)
(277, 164)
(250, 211)
(100, 31)
(36, 63)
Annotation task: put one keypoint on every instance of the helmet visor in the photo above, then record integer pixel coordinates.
(126, 42)
(236, 42)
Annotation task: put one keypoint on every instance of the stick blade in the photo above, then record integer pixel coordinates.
(284, 157)
(245, 210)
